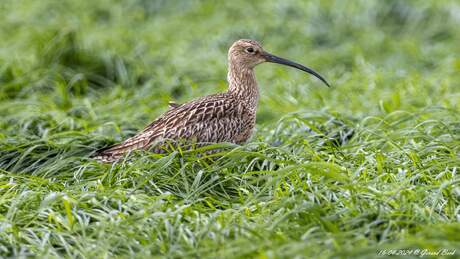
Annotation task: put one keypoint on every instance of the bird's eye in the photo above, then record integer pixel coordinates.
(250, 50)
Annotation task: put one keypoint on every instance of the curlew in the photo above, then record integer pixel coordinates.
(224, 117)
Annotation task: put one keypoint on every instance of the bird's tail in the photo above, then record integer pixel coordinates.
(106, 155)
(114, 153)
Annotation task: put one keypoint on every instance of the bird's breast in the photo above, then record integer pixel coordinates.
(246, 125)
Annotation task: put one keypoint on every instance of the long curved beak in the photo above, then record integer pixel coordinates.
(274, 59)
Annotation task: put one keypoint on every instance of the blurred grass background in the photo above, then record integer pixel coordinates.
(78, 75)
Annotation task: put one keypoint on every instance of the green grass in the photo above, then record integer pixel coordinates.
(79, 75)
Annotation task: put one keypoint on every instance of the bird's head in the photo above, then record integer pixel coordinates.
(249, 53)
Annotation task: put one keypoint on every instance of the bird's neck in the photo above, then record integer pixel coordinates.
(242, 83)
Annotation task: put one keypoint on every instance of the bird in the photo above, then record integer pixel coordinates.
(229, 116)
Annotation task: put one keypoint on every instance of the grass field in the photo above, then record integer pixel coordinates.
(80, 75)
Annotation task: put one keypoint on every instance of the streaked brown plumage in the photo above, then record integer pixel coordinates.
(222, 117)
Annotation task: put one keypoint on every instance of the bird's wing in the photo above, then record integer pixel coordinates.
(187, 119)
(212, 118)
